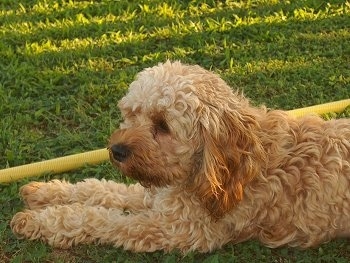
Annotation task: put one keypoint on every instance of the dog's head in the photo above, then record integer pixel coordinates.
(184, 126)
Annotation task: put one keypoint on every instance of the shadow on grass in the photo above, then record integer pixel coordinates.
(250, 251)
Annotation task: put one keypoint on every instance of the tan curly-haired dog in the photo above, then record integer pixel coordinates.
(212, 169)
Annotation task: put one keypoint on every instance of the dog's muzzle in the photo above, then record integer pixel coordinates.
(120, 152)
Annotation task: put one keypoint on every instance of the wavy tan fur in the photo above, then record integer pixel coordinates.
(212, 169)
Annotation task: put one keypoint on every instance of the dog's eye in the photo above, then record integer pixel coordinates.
(161, 126)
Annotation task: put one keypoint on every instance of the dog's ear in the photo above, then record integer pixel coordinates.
(232, 156)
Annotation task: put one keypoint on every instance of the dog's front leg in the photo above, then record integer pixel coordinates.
(69, 225)
(91, 192)
(65, 226)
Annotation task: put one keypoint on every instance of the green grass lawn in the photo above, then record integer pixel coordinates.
(64, 65)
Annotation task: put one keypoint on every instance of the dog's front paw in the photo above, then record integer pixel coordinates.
(52, 225)
(23, 225)
(38, 195)
(32, 196)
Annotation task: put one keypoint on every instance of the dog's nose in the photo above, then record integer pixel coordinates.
(120, 152)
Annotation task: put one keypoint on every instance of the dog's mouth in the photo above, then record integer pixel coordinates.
(124, 160)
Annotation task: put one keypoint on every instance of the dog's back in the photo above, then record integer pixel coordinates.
(303, 196)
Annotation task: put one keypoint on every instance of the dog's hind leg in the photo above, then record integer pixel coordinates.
(90, 192)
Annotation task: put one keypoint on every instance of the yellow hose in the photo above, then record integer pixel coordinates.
(57, 165)
(71, 162)
(336, 106)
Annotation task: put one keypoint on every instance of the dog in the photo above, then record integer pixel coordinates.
(210, 169)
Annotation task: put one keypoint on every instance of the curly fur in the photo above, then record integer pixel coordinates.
(212, 169)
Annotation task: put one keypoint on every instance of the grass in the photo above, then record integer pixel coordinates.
(65, 64)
